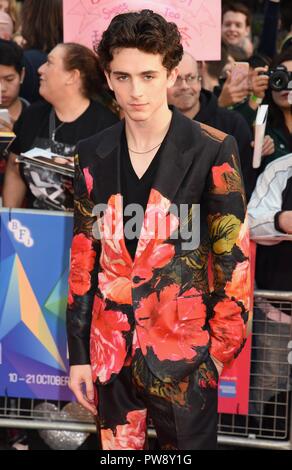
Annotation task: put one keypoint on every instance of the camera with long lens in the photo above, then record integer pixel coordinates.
(279, 78)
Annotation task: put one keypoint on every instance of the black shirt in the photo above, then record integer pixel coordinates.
(48, 189)
(135, 190)
(34, 123)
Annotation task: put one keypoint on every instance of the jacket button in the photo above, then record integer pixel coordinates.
(137, 279)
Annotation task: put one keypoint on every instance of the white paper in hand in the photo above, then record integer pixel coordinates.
(260, 128)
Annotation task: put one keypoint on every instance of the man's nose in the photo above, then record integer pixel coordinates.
(136, 90)
(184, 83)
(41, 69)
(3, 86)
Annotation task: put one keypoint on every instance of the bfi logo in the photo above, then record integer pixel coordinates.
(21, 233)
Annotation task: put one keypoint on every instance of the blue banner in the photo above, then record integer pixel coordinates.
(34, 264)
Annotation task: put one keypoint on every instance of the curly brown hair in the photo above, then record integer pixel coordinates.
(144, 30)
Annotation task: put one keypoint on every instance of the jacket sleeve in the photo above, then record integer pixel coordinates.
(229, 245)
(84, 266)
(265, 205)
(243, 136)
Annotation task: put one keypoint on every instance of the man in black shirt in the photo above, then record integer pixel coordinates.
(199, 104)
(145, 333)
(135, 192)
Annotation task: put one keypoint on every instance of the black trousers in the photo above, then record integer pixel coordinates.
(184, 414)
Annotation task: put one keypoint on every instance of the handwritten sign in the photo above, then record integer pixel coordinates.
(199, 21)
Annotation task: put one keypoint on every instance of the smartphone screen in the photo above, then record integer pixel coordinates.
(240, 70)
(5, 116)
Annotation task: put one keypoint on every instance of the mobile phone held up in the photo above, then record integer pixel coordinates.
(240, 70)
(5, 116)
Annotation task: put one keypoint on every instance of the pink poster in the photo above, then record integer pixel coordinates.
(199, 21)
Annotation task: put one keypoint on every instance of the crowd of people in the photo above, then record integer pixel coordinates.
(56, 95)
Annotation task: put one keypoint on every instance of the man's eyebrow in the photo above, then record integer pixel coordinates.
(149, 72)
(146, 72)
(118, 72)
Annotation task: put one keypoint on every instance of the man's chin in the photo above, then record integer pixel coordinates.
(184, 107)
(233, 41)
(138, 116)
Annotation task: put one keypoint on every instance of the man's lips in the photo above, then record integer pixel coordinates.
(183, 95)
(232, 35)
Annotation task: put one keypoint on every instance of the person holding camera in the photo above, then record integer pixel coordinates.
(279, 98)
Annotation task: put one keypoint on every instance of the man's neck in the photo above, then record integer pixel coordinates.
(15, 109)
(68, 109)
(144, 134)
(192, 112)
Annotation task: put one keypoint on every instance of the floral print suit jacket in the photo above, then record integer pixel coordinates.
(167, 301)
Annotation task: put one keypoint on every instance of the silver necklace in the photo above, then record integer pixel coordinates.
(147, 151)
(56, 130)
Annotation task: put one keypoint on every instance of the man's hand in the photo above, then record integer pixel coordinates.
(285, 221)
(268, 146)
(259, 82)
(218, 364)
(6, 126)
(233, 92)
(80, 377)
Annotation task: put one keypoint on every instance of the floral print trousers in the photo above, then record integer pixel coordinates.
(184, 414)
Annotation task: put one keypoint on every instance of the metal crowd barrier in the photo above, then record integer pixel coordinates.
(269, 422)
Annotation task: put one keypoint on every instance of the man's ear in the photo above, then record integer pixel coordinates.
(108, 79)
(172, 76)
(73, 76)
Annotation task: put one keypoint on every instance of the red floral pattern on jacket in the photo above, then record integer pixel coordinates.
(82, 263)
(159, 225)
(107, 344)
(163, 298)
(174, 323)
(88, 180)
(115, 276)
(130, 436)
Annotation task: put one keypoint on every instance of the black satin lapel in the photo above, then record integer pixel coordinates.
(173, 167)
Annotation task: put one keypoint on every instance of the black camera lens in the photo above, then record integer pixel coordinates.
(279, 81)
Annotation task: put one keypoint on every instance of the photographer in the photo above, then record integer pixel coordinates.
(279, 125)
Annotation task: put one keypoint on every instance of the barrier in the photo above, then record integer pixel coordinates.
(269, 422)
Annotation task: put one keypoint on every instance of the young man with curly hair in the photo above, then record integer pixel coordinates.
(148, 333)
